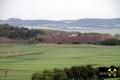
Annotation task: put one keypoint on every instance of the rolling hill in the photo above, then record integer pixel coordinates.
(87, 23)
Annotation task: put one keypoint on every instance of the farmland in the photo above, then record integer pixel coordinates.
(22, 60)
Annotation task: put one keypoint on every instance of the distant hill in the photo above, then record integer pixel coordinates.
(81, 23)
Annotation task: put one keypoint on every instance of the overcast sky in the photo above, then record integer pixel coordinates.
(59, 9)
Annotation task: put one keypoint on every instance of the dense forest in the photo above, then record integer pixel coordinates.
(18, 33)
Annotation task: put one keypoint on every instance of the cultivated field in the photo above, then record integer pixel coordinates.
(22, 60)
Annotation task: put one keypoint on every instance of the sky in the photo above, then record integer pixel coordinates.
(59, 9)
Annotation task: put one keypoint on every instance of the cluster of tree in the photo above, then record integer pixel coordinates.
(91, 33)
(17, 32)
(112, 41)
(73, 73)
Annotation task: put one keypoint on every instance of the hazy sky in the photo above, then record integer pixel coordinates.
(59, 9)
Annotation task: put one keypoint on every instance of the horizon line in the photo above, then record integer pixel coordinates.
(60, 19)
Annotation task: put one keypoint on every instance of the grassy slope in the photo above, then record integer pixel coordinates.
(23, 60)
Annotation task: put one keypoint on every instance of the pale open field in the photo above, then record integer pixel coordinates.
(22, 60)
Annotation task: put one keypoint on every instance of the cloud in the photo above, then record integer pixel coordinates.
(59, 9)
(116, 4)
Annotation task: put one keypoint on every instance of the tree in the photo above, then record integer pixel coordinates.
(111, 42)
(45, 75)
(59, 75)
(19, 33)
(73, 73)
(37, 76)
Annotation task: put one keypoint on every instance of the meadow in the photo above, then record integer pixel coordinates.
(22, 60)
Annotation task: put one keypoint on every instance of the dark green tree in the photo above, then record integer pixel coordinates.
(111, 42)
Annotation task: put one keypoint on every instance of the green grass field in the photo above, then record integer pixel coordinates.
(22, 60)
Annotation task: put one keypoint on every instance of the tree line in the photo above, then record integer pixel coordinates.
(19, 33)
(73, 73)
(111, 42)
(107, 42)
